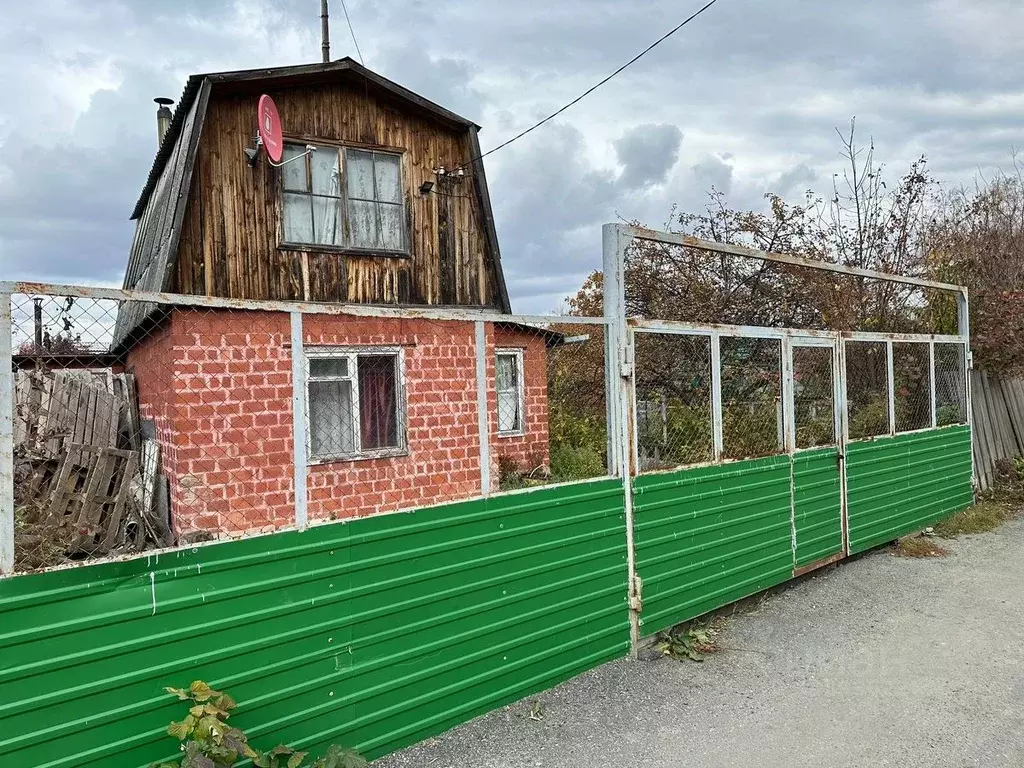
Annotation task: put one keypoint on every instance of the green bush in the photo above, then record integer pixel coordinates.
(869, 419)
(576, 463)
(947, 414)
(750, 430)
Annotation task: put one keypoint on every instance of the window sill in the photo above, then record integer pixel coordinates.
(384, 453)
(343, 250)
(520, 433)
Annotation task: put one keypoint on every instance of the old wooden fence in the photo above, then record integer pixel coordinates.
(998, 411)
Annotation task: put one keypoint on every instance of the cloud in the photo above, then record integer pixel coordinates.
(756, 89)
(647, 154)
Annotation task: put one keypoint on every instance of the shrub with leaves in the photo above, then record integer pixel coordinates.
(207, 741)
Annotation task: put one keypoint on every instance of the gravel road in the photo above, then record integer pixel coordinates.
(883, 661)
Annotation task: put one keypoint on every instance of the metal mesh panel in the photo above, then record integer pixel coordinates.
(673, 400)
(813, 396)
(752, 414)
(867, 388)
(178, 424)
(552, 413)
(911, 366)
(950, 384)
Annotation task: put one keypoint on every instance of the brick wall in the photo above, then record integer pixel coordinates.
(529, 451)
(218, 386)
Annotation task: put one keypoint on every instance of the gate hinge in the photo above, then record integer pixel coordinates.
(636, 601)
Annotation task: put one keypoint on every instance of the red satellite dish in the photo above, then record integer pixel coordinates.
(269, 128)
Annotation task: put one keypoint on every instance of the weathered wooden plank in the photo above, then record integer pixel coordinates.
(982, 439)
(126, 471)
(229, 243)
(1007, 445)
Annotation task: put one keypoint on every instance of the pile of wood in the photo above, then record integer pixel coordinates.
(87, 482)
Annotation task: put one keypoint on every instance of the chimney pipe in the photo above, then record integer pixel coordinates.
(163, 118)
(325, 32)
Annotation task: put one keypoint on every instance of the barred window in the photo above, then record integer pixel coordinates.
(356, 404)
(510, 391)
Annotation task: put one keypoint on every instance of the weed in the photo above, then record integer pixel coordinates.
(536, 712)
(207, 741)
(692, 643)
(918, 546)
(982, 517)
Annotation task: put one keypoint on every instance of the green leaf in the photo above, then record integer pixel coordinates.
(181, 730)
(197, 711)
(337, 757)
(281, 749)
(296, 759)
(201, 691)
(210, 726)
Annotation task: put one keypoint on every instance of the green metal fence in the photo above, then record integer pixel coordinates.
(374, 633)
(900, 484)
(817, 506)
(708, 536)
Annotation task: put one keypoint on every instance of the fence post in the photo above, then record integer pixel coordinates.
(891, 380)
(963, 316)
(299, 457)
(481, 408)
(619, 386)
(717, 430)
(6, 439)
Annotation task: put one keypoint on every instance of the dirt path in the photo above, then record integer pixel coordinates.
(884, 661)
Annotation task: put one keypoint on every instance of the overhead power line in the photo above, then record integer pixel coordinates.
(594, 87)
(352, 32)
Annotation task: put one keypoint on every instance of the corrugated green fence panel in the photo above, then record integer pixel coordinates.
(897, 485)
(374, 633)
(708, 536)
(817, 505)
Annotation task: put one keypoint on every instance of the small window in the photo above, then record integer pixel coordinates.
(343, 197)
(510, 391)
(355, 404)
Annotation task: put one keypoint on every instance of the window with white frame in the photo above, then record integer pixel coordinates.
(339, 196)
(356, 403)
(510, 391)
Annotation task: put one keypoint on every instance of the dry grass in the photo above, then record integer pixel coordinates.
(919, 546)
(984, 516)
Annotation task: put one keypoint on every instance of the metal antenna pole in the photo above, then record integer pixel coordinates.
(325, 32)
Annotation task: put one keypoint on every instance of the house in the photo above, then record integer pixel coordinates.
(361, 211)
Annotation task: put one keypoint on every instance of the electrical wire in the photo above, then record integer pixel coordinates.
(352, 32)
(594, 87)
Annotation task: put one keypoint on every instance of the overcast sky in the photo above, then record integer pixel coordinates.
(745, 98)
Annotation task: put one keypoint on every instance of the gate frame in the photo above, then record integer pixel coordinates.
(620, 361)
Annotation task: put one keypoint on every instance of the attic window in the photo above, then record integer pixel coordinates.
(349, 198)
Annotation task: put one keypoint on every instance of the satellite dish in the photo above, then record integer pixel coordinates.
(269, 128)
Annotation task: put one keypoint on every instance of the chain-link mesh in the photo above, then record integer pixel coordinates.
(673, 400)
(950, 384)
(911, 367)
(813, 396)
(752, 413)
(867, 388)
(550, 419)
(175, 424)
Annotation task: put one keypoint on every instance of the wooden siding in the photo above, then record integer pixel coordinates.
(231, 235)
